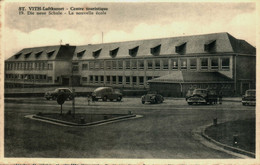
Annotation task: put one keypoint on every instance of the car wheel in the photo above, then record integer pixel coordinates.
(155, 101)
(143, 102)
(104, 98)
(119, 98)
(244, 103)
(53, 98)
(47, 98)
(111, 99)
(190, 103)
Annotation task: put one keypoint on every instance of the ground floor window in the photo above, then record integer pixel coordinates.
(225, 63)
(141, 80)
(120, 79)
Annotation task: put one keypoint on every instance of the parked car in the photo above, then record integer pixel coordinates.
(249, 97)
(202, 96)
(54, 94)
(106, 93)
(152, 97)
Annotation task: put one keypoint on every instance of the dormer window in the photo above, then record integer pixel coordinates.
(17, 55)
(113, 52)
(96, 53)
(50, 53)
(80, 54)
(156, 50)
(37, 55)
(27, 54)
(181, 48)
(133, 51)
(210, 46)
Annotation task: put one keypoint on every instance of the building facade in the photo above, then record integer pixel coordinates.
(217, 61)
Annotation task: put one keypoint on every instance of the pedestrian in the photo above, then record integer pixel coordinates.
(220, 97)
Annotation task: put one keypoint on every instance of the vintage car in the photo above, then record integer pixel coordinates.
(249, 97)
(152, 97)
(106, 93)
(54, 94)
(202, 96)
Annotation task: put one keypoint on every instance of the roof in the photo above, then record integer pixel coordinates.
(223, 43)
(185, 77)
(44, 53)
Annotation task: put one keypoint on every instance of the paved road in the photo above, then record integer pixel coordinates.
(164, 131)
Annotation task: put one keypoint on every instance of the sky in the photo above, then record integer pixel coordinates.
(126, 22)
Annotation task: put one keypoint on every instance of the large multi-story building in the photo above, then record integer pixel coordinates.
(39, 66)
(168, 65)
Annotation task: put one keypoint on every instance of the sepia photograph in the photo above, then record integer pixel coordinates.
(129, 82)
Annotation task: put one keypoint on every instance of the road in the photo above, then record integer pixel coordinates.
(164, 131)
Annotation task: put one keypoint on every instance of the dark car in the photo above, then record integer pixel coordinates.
(202, 96)
(249, 97)
(152, 97)
(106, 93)
(54, 94)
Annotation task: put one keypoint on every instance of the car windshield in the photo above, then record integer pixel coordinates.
(250, 93)
(199, 91)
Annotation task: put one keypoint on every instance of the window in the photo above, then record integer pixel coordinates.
(17, 55)
(127, 64)
(114, 79)
(49, 79)
(75, 66)
(96, 63)
(50, 66)
(50, 53)
(108, 79)
(193, 64)
(37, 55)
(84, 66)
(203, 63)
(157, 64)
(81, 53)
(101, 64)
(114, 64)
(141, 80)
(140, 64)
(96, 53)
(113, 52)
(101, 79)
(127, 80)
(181, 48)
(91, 65)
(91, 79)
(165, 64)
(210, 46)
(174, 64)
(96, 79)
(133, 51)
(214, 63)
(149, 64)
(27, 55)
(225, 63)
(183, 64)
(134, 64)
(120, 64)
(156, 50)
(108, 65)
(120, 80)
(134, 80)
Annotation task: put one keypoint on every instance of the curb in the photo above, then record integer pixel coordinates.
(224, 146)
(87, 124)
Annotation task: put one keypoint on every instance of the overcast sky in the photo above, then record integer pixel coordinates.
(126, 21)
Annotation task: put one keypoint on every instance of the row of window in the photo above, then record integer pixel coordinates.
(29, 66)
(117, 80)
(159, 64)
(28, 77)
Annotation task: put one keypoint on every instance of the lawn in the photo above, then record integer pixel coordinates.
(239, 133)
